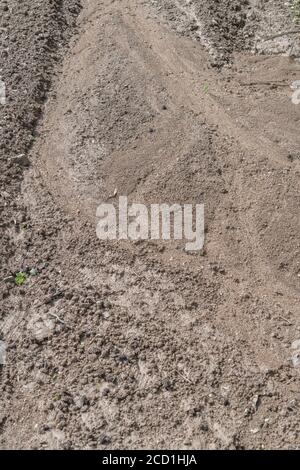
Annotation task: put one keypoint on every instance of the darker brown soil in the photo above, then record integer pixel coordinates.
(142, 345)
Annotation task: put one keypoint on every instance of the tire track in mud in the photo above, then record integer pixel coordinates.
(153, 344)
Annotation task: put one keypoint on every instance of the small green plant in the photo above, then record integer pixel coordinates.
(20, 278)
(295, 10)
(205, 88)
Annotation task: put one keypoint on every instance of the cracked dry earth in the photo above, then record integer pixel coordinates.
(142, 345)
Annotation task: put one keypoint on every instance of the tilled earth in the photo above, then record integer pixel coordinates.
(142, 345)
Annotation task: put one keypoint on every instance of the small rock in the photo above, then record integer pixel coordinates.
(204, 427)
(255, 430)
(296, 359)
(295, 85)
(296, 344)
(105, 440)
(81, 401)
(42, 330)
(255, 402)
(21, 160)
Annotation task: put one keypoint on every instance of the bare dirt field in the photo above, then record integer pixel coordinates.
(142, 345)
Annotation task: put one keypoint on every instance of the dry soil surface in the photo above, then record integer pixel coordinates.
(128, 345)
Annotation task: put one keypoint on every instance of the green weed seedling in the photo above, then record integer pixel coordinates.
(295, 10)
(20, 278)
